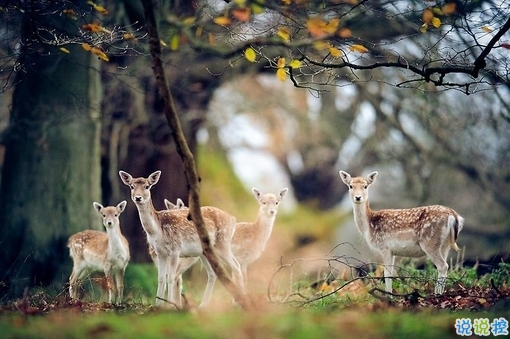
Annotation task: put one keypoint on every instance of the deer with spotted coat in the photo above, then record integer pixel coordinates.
(93, 251)
(411, 232)
(172, 235)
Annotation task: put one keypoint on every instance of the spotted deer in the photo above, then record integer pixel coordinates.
(108, 252)
(412, 232)
(173, 235)
(250, 238)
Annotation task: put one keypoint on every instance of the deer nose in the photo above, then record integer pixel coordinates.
(357, 198)
(138, 198)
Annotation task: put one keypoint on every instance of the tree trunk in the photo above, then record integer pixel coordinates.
(51, 172)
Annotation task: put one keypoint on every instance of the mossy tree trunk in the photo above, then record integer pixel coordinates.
(51, 171)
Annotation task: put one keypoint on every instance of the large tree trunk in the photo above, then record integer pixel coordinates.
(51, 172)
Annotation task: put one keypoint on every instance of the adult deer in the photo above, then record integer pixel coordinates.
(98, 251)
(172, 235)
(412, 232)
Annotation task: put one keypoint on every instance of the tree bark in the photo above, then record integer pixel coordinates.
(51, 171)
(185, 153)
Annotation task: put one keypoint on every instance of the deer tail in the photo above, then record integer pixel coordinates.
(455, 224)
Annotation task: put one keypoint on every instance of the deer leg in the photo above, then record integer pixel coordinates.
(211, 279)
(389, 269)
(119, 282)
(184, 265)
(439, 260)
(162, 278)
(171, 276)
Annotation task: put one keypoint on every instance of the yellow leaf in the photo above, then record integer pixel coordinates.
(250, 54)
(65, 50)
(287, 2)
(257, 9)
(98, 8)
(436, 22)
(100, 54)
(335, 52)
(427, 16)
(128, 36)
(164, 44)
(222, 21)
(241, 3)
(320, 45)
(189, 20)
(358, 48)
(95, 27)
(284, 33)
(281, 74)
(175, 42)
(281, 62)
(423, 28)
(437, 11)
(295, 63)
(486, 29)
(449, 8)
(332, 26)
(211, 39)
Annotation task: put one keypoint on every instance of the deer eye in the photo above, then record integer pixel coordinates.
(365, 187)
(351, 187)
(147, 187)
(132, 187)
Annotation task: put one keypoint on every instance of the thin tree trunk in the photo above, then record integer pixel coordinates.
(185, 153)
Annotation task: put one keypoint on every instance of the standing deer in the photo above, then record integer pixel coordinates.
(412, 232)
(172, 235)
(250, 238)
(93, 251)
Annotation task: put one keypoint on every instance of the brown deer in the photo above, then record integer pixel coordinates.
(172, 235)
(411, 232)
(250, 238)
(99, 251)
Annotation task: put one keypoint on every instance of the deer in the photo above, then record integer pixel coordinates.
(173, 235)
(93, 251)
(250, 238)
(413, 232)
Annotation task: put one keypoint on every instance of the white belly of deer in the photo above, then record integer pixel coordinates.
(405, 248)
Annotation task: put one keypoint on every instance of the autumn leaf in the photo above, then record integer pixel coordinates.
(175, 42)
(423, 28)
(86, 47)
(100, 54)
(222, 21)
(505, 45)
(436, 22)
(344, 33)
(319, 28)
(295, 63)
(257, 9)
(64, 50)
(449, 8)
(320, 45)
(284, 33)
(281, 62)
(427, 16)
(281, 74)
(95, 27)
(128, 36)
(335, 52)
(358, 48)
(162, 43)
(486, 29)
(250, 54)
(98, 8)
(242, 14)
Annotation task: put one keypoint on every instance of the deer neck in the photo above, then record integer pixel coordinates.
(264, 224)
(362, 214)
(149, 218)
(115, 243)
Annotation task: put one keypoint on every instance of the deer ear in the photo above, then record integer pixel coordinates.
(97, 206)
(122, 206)
(346, 177)
(125, 177)
(256, 193)
(180, 203)
(282, 193)
(154, 178)
(371, 177)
